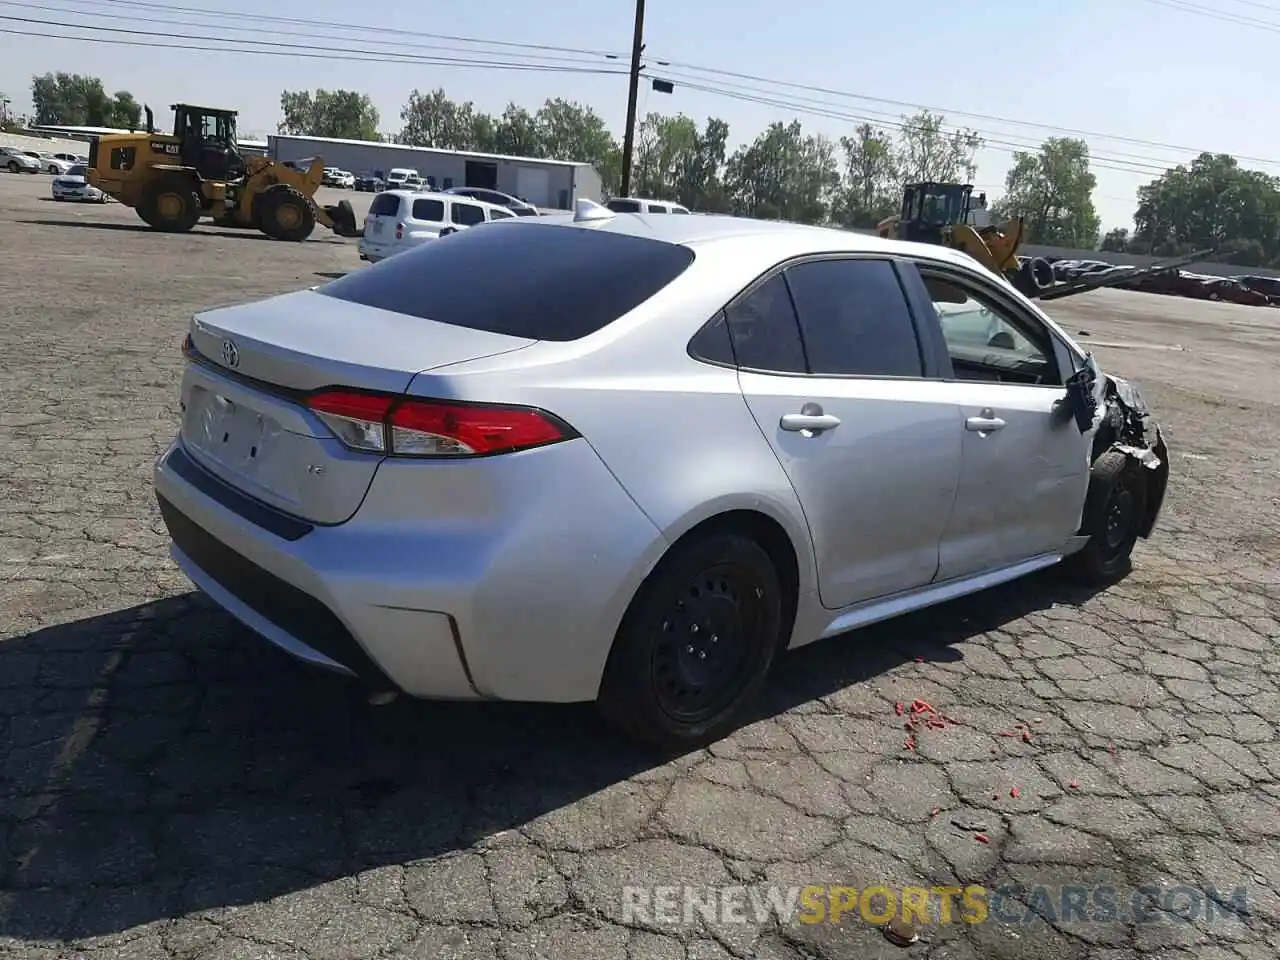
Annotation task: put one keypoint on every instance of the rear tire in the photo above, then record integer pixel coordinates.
(1113, 514)
(13, 167)
(696, 644)
(170, 204)
(283, 213)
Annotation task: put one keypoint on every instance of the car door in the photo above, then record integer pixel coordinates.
(831, 368)
(1024, 468)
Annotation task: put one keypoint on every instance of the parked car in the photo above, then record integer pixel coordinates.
(72, 158)
(640, 205)
(517, 206)
(49, 163)
(1231, 290)
(74, 185)
(631, 459)
(370, 183)
(397, 177)
(17, 161)
(399, 220)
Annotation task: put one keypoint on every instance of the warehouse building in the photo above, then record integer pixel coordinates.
(544, 183)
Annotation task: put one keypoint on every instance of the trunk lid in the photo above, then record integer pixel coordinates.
(243, 416)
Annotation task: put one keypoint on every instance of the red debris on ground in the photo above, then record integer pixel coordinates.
(922, 706)
(982, 838)
(1073, 785)
(919, 659)
(910, 743)
(1026, 736)
(1014, 793)
(935, 811)
(897, 707)
(1007, 733)
(1111, 748)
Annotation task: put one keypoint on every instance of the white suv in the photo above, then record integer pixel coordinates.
(640, 205)
(398, 176)
(401, 219)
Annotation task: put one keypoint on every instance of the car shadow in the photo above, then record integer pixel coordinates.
(211, 231)
(331, 274)
(162, 760)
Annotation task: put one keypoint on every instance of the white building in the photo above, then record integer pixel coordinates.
(555, 184)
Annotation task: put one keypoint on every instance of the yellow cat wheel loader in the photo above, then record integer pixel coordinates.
(174, 180)
(946, 214)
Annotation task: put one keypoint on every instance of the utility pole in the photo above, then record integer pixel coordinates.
(633, 94)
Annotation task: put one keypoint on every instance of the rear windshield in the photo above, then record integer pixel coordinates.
(385, 205)
(557, 282)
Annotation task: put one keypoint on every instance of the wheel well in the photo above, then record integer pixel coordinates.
(767, 532)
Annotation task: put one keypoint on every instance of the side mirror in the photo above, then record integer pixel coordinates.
(1079, 402)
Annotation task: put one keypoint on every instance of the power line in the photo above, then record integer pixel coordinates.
(1222, 16)
(1007, 121)
(357, 58)
(264, 18)
(1148, 169)
(1141, 164)
(328, 36)
(280, 48)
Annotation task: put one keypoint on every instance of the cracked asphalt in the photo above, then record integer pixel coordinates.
(171, 787)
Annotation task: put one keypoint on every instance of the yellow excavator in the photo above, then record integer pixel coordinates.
(949, 215)
(174, 180)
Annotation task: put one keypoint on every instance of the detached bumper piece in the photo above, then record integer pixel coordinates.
(295, 612)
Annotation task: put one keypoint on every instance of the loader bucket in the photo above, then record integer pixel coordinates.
(343, 219)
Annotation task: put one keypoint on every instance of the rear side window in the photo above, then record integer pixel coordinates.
(385, 205)
(427, 209)
(558, 282)
(467, 214)
(764, 331)
(679, 210)
(496, 214)
(855, 319)
(658, 208)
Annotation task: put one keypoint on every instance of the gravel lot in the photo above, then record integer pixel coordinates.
(172, 787)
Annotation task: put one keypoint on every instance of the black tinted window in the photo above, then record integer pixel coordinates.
(384, 205)
(558, 283)
(657, 208)
(855, 318)
(712, 342)
(432, 210)
(468, 214)
(623, 206)
(764, 330)
(497, 214)
(679, 210)
(78, 171)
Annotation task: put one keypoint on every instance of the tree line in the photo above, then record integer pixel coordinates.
(786, 172)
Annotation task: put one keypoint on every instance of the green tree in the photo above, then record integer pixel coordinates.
(516, 133)
(344, 114)
(573, 131)
(1115, 241)
(1052, 190)
(1212, 203)
(76, 100)
(433, 120)
(926, 151)
(871, 189)
(784, 174)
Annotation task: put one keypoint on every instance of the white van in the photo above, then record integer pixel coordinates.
(397, 176)
(641, 205)
(401, 219)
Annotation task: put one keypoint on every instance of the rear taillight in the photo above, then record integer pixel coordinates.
(399, 231)
(408, 427)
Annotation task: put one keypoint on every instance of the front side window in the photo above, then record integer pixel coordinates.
(855, 319)
(984, 339)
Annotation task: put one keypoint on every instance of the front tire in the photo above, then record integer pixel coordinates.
(283, 213)
(170, 205)
(1113, 515)
(696, 644)
(13, 167)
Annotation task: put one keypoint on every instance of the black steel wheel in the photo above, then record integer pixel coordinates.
(1114, 511)
(696, 643)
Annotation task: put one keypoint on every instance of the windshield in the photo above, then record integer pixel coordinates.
(78, 171)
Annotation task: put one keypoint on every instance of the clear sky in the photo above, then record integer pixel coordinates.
(1145, 70)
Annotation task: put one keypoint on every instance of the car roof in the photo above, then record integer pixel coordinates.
(791, 239)
(439, 195)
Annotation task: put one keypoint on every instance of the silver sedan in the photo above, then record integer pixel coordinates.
(630, 459)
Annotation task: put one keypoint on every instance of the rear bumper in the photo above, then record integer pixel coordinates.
(517, 604)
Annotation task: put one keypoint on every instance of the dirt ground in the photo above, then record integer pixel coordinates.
(171, 787)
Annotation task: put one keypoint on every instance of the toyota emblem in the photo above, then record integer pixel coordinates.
(230, 354)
